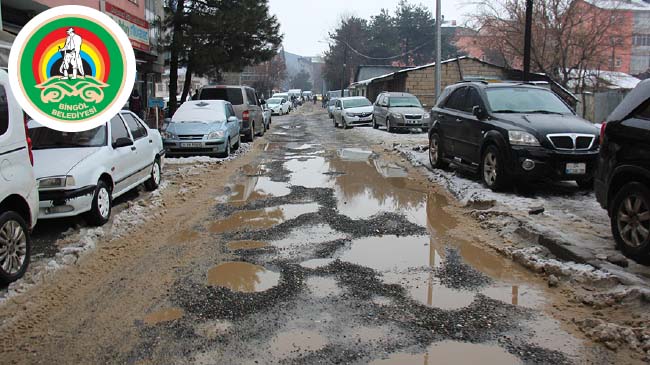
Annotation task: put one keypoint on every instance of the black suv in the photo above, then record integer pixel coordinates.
(622, 181)
(509, 131)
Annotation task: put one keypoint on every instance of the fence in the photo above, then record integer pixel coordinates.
(595, 107)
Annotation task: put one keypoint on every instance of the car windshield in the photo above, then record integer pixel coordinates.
(405, 101)
(231, 94)
(525, 100)
(356, 103)
(46, 138)
(274, 101)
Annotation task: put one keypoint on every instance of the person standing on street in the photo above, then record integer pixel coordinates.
(135, 103)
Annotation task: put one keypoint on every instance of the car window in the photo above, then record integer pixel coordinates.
(471, 100)
(644, 111)
(118, 130)
(45, 138)
(137, 129)
(4, 111)
(250, 95)
(231, 94)
(525, 100)
(456, 99)
(230, 112)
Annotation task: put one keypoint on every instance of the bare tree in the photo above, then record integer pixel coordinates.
(569, 36)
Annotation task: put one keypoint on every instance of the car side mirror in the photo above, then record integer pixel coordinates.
(479, 112)
(233, 120)
(122, 142)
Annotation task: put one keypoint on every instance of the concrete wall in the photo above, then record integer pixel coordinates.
(421, 82)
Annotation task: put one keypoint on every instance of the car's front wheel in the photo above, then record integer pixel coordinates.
(100, 210)
(226, 152)
(374, 123)
(492, 169)
(155, 177)
(389, 126)
(585, 184)
(15, 247)
(630, 216)
(435, 153)
(237, 144)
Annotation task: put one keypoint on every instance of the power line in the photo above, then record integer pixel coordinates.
(383, 58)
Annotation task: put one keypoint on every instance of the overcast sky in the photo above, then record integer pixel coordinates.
(305, 23)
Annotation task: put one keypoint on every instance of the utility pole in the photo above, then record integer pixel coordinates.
(528, 39)
(438, 46)
(345, 67)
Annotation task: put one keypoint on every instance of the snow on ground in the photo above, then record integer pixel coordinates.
(572, 225)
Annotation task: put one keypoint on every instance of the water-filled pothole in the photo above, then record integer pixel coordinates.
(243, 277)
(262, 218)
(316, 263)
(258, 187)
(161, 316)
(295, 342)
(246, 245)
(452, 352)
(389, 253)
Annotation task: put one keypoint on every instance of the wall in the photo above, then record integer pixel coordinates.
(421, 83)
(134, 7)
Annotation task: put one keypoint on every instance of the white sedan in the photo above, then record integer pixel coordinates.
(352, 111)
(83, 172)
(279, 106)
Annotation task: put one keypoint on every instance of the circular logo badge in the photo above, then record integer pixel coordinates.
(72, 68)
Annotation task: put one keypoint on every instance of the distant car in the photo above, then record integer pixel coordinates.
(511, 131)
(330, 107)
(399, 111)
(83, 172)
(18, 190)
(622, 182)
(351, 111)
(204, 127)
(286, 97)
(278, 105)
(246, 104)
(268, 115)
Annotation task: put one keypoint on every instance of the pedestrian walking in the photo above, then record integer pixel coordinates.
(135, 103)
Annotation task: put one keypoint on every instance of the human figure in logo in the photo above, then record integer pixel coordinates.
(72, 55)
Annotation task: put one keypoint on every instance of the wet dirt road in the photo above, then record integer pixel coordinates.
(316, 247)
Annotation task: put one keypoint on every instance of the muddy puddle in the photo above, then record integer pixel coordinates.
(183, 236)
(310, 235)
(242, 277)
(316, 263)
(262, 218)
(451, 352)
(165, 315)
(308, 172)
(322, 287)
(257, 187)
(246, 245)
(389, 253)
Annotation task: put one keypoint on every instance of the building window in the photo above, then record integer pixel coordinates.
(618, 62)
(641, 40)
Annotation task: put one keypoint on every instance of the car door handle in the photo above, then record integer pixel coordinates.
(458, 120)
(133, 148)
(151, 141)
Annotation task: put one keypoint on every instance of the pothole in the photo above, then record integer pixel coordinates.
(262, 218)
(161, 316)
(390, 169)
(316, 263)
(308, 172)
(258, 188)
(322, 287)
(389, 253)
(295, 343)
(452, 352)
(355, 154)
(242, 277)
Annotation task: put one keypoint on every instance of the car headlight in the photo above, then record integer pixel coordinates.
(522, 138)
(427, 115)
(56, 182)
(167, 135)
(215, 135)
(397, 115)
(350, 114)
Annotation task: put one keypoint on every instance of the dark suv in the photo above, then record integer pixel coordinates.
(246, 104)
(510, 131)
(623, 178)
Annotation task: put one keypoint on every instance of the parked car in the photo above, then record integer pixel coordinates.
(622, 182)
(399, 111)
(204, 127)
(246, 104)
(350, 111)
(83, 172)
(268, 115)
(278, 105)
(18, 190)
(510, 131)
(330, 107)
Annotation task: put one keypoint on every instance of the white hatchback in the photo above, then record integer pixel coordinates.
(83, 172)
(18, 189)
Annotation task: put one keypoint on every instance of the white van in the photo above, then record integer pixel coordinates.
(18, 188)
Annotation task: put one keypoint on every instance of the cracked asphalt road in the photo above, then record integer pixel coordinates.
(315, 247)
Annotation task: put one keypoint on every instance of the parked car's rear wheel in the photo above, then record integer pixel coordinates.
(155, 177)
(226, 152)
(100, 210)
(374, 123)
(345, 123)
(389, 126)
(492, 170)
(15, 247)
(631, 221)
(435, 154)
(336, 125)
(250, 136)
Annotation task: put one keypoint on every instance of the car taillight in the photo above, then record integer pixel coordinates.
(603, 127)
(245, 116)
(29, 140)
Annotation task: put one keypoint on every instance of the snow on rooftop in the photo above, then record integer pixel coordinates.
(620, 4)
(613, 79)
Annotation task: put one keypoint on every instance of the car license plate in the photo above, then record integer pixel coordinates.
(191, 144)
(576, 168)
(412, 122)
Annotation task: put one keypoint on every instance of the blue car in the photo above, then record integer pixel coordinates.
(203, 127)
